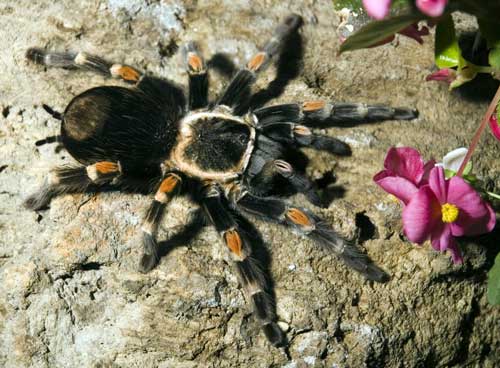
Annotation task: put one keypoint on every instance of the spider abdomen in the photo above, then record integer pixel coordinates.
(118, 124)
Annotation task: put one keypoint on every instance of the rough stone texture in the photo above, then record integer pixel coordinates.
(70, 293)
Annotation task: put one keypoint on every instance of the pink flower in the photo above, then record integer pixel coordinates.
(455, 78)
(432, 8)
(495, 127)
(442, 75)
(444, 209)
(377, 9)
(404, 173)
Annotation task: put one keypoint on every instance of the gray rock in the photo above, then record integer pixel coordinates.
(70, 292)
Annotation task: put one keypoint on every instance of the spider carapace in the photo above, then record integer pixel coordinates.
(228, 155)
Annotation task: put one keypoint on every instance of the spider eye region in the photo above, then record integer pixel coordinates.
(214, 144)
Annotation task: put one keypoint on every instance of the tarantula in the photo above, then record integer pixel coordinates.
(226, 155)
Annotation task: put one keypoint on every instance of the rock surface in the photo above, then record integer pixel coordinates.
(70, 292)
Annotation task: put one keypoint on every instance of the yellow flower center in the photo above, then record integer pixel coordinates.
(393, 198)
(449, 212)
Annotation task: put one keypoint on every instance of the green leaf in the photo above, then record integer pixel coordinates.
(378, 31)
(466, 175)
(449, 173)
(399, 4)
(494, 282)
(349, 4)
(467, 169)
(470, 178)
(494, 58)
(466, 72)
(446, 51)
(358, 4)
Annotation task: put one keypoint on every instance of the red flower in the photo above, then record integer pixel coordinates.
(442, 75)
(432, 8)
(377, 9)
(444, 209)
(405, 172)
(495, 127)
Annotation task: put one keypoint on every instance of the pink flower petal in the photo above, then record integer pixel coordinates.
(438, 184)
(377, 9)
(405, 162)
(442, 75)
(456, 254)
(475, 216)
(421, 215)
(433, 8)
(399, 187)
(495, 127)
(429, 165)
(440, 237)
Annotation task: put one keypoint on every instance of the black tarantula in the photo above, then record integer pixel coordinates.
(227, 155)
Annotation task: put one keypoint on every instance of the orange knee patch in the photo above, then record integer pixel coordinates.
(195, 63)
(302, 130)
(313, 105)
(256, 62)
(106, 167)
(298, 217)
(125, 72)
(233, 241)
(169, 184)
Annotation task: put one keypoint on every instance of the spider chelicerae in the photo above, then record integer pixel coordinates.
(229, 156)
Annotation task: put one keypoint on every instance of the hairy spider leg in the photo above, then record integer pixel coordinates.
(301, 183)
(98, 177)
(250, 270)
(301, 136)
(291, 123)
(288, 64)
(324, 114)
(198, 77)
(169, 187)
(82, 60)
(72, 180)
(310, 225)
(238, 92)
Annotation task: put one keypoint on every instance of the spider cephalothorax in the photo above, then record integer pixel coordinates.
(228, 155)
(213, 145)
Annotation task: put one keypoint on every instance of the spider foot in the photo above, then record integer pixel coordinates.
(150, 257)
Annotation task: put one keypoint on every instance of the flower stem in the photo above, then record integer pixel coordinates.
(479, 131)
(486, 69)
